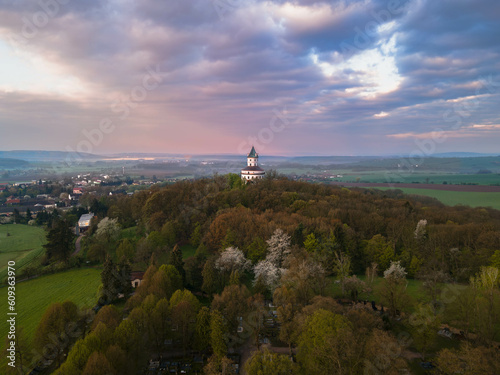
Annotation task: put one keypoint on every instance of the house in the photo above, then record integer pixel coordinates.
(84, 222)
(13, 201)
(136, 278)
(252, 171)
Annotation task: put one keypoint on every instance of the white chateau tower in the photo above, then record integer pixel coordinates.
(252, 171)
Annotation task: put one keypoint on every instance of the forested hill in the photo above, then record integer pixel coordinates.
(370, 226)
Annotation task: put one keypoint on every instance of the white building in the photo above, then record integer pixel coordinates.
(84, 222)
(252, 171)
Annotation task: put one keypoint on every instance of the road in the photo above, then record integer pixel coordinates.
(78, 246)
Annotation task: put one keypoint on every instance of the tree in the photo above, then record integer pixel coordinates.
(488, 302)
(124, 277)
(159, 323)
(210, 277)
(109, 315)
(110, 282)
(216, 366)
(371, 274)
(184, 306)
(218, 339)
(325, 344)
(256, 318)
(18, 219)
(278, 247)
(232, 303)
(342, 268)
(59, 244)
(286, 301)
(468, 360)
(127, 336)
(354, 286)
(311, 244)
(125, 249)
(433, 279)
(393, 288)
(117, 358)
(379, 250)
(382, 354)
(165, 281)
(196, 236)
(108, 229)
(307, 277)
(202, 335)
(169, 233)
(49, 334)
(421, 230)
(77, 358)
(267, 273)
(178, 263)
(425, 327)
(256, 250)
(267, 363)
(28, 215)
(232, 259)
(97, 364)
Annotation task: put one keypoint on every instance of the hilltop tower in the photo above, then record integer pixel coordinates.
(252, 171)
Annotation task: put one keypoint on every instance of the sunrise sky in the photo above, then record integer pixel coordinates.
(301, 77)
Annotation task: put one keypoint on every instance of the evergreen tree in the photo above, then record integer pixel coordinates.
(178, 263)
(110, 284)
(18, 219)
(125, 271)
(59, 242)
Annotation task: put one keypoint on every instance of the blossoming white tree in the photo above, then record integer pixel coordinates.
(232, 259)
(278, 247)
(268, 273)
(396, 271)
(270, 270)
(393, 290)
(108, 229)
(421, 230)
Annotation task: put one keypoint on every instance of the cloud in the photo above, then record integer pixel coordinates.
(356, 71)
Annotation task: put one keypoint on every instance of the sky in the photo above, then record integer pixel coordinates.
(303, 77)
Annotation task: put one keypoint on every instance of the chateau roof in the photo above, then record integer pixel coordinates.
(255, 168)
(252, 153)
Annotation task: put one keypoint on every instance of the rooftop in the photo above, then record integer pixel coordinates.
(253, 154)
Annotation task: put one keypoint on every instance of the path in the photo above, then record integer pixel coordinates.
(78, 246)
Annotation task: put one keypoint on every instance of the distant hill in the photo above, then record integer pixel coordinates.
(13, 163)
(29, 155)
(462, 155)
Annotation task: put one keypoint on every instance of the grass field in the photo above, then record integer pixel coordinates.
(453, 198)
(414, 289)
(24, 246)
(34, 296)
(188, 251)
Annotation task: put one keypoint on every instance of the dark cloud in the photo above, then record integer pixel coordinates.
(226, 65)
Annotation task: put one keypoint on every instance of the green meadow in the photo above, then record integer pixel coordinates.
(20, 243)
(34, 296)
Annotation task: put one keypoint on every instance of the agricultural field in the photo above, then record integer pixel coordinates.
(34, 296)
(453, 198)
(419, 178)
(20, 243)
